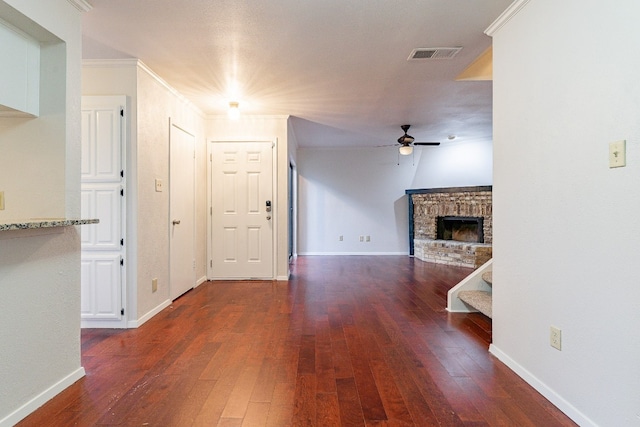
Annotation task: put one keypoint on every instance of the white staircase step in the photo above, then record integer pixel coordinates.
(480, 300)
(487, 276)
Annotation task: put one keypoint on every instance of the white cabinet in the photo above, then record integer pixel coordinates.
(19, 73)
(102, 184)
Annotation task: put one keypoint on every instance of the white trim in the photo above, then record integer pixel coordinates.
(542, 388)
(274, 212)
(133, 62)
(253, 116)
(142, 320)
(22, 412)
(509, 13)
(200, 281)
(109, 63)
(81, 5)
(352, 253)
(282, 278)
(104, 324)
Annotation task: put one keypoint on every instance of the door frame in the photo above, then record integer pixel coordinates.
(274, 196)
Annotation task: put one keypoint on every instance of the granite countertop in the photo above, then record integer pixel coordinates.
(33, 223)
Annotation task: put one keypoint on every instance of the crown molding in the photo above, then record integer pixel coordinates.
(110, 63)
(81, 5)
(509, 13)
(138, 64)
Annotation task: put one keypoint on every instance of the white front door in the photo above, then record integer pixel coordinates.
(242, 210)
(181, 212)
(102, 197)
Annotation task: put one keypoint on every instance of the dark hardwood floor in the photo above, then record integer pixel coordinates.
(352, 341)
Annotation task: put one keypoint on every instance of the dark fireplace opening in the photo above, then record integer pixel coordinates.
(460, 228)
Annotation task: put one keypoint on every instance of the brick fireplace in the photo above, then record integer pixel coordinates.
(451, 225)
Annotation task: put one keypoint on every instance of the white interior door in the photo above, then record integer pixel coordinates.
(242, 210)
(102, 184)
(181, 212)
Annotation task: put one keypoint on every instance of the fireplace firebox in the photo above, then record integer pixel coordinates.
(460, 228)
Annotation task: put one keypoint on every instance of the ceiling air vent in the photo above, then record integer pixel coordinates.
(433, 53)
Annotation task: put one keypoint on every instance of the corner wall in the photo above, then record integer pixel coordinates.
(361, 192)
(153, 104)
(565, 236)
(40, 274)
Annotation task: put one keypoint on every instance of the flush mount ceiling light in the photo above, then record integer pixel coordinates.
(234, 110)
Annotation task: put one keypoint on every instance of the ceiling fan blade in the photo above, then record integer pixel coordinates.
(426, 143)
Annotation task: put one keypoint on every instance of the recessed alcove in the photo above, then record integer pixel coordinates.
(33, 115)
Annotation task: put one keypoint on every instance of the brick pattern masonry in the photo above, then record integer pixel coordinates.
(427, 207)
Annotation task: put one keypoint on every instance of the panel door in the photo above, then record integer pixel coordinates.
(242, 210)
(182, 212)
(102, 197)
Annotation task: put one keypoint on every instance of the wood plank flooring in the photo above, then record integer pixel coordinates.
(348, 341)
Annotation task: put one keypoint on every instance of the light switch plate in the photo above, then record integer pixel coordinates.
(158, 185)
(617, 154)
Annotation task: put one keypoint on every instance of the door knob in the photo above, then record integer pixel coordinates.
(176, 221)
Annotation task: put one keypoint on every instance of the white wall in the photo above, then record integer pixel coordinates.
(361, 192)
(40, 274)
(455, 164)
(153, 103)
(157, 103)
(565, 231)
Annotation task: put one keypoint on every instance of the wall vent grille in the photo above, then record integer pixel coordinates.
(423, 53)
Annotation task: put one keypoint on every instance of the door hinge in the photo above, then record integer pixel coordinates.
(122, 192)
(121, 242)
(122, 312)
(211, 263)
(121, 261)
(210, 210)
(122, 112)
(210, 157)
(122, 174)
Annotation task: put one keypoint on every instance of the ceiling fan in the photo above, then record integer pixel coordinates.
(406, 140)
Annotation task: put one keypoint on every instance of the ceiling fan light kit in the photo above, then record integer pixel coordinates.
(405, 150)
(406, 140)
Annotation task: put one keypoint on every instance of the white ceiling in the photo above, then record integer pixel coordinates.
(339, 66)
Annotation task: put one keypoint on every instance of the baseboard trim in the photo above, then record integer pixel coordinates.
(142, 320)
(353, 253)
(42, 398)
(200, 281)
(561, 403)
